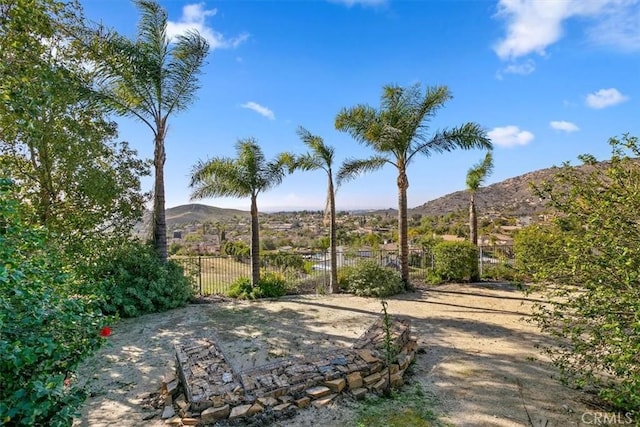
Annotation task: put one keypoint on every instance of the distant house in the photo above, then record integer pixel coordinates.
(495, 239)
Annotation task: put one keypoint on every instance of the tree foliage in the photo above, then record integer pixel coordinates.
(398, 132)
(594, 281)
(46, 327)
(321, 156)
(247, 175)
(55, 139)
(150, 79)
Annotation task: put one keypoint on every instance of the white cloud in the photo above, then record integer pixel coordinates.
(534, 25)
(263, 111)
(564, 126)
(510, 136)
(618, 27)
(522, 68)
(605, 98)
(193, 19)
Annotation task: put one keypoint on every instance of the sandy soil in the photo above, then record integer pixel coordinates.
(478, 356)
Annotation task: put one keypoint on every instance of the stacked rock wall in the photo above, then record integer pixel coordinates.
(214, 391)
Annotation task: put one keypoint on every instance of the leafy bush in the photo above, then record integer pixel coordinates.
(537, 247)
(135, 281)
(499, 271)
(271, 285)
(594, 296)
(46, 329)
(455, 261)
(370, 279)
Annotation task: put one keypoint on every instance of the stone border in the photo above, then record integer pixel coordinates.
(208, 389)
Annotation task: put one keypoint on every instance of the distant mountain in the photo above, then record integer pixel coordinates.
(512, 197)
(196, 213)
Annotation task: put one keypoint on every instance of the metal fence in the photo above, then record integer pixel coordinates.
(310, 271)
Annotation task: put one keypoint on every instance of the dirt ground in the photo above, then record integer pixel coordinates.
(478, 356)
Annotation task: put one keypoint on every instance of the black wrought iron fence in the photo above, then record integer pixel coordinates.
(310, 271)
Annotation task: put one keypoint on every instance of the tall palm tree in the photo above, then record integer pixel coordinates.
(476, 176)
(247, 175)
(150, 78)
(321, 156)
(397, 133)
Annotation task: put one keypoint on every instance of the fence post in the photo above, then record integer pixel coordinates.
(200, 273)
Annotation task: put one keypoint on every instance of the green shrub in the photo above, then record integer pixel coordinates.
(456, 261)
(271, 285)
(536, 247)
(499, 271)
(135, 281)
(590, 288)
(370, 279)
(46, 328)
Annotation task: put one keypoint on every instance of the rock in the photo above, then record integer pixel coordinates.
(172, 387)
(367, 356)
(173, 421)
(182, 403)
(318, 392)
(267, 401)
(285, 399)
(211, 415)
(340, 360)
(336, 385)
(375, 367)
(354, 380)
(323, 401)
(303, 402)
(256, 408)
(359, 393)
(281, 408)
(406, 360)
(396, 379)
(168, 412)
(227, 377)
(394, 368)
(239, 411)
(190, 421)
(371, 379)
(380, 385)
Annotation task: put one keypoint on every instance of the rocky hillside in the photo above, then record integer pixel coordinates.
(511, 197)
(196, 214)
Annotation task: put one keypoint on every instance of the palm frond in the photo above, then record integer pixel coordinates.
(218, 177)
(477, 174)
(181, 80)
(356, 121)
(321, 155)
(352, 168)
(466, 137)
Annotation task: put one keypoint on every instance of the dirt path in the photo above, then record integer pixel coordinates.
(480, 358)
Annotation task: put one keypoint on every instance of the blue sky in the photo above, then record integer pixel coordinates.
(547, 79)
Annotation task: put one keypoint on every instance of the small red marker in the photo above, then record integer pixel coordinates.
(105, 331)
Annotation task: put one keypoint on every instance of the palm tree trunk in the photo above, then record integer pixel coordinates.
(255, 242)
(473, 220)
(473, 235)
(159, 219)
(403, 184)
(333, 278)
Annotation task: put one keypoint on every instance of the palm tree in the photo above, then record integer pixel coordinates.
(475, 178)
(321, 156)
(150, 78)
(247, 175)
(397, 132)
